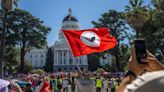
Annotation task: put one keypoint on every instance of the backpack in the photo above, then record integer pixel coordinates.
(59, 84)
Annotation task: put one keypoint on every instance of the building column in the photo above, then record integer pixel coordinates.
(67, 57)
(57, 62)
(78, 60)
(73, 59)
(54, 57)
(62, 57)
(83, 60)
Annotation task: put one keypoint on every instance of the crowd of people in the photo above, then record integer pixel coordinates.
(146, 77)
(66, 82)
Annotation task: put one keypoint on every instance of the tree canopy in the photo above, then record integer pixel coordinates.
(25, 31)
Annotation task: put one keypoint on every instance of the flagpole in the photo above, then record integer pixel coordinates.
(78, 65)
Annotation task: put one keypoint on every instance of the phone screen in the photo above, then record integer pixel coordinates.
(140, 49)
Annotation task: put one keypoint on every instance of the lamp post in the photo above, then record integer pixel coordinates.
(6, 5)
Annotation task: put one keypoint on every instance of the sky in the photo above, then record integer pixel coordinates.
(52, 12)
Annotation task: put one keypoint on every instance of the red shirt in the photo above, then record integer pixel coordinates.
(45, 87)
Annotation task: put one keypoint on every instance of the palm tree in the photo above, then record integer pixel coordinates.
(136, 14)
(159, 4)
(7, 4)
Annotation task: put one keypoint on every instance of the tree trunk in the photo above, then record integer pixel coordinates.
(117, 59)
(117, 52)
(137, 32)
(23, 51)
(3, 43)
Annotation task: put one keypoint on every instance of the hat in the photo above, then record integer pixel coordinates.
(3, 85)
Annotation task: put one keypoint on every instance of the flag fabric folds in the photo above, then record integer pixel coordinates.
(83, 42)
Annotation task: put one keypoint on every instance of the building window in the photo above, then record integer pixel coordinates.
(42, 55)
(70, 61)
(60, 61)
(42, 62)
(80, 61)
(64, 62)
(77, 61)
(64, 54)
(31, 56)
(36, 55)
(36, 63)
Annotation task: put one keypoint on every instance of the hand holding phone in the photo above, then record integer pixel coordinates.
(140, 49)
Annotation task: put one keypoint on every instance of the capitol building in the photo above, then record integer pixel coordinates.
(63, 57)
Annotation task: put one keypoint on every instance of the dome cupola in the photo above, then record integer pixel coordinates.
(69, 17)
(70, 22)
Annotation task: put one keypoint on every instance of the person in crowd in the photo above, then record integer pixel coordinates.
(73, 84)
(99, 84)
(54, 84)
(28, 88)
(106, 84)
(147, 77)
(59, 84)
(46, 85)
(52, 79)
(113, 84)
(13, 87)
(65, 84)
(85, 84)
(4, 85)
(33, 82)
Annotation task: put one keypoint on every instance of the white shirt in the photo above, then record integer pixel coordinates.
(65, 83)
(148, 82)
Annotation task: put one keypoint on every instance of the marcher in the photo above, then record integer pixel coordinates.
(46, 85)
(65, 84)
(28, 88)
(99, 84)
(59, 84)
(73, 84)
(106, 85)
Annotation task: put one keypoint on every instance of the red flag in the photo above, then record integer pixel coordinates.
(88, 41)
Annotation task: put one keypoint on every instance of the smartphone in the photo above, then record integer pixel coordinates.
(140, 49)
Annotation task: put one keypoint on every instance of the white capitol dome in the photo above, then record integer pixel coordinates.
(69, 22)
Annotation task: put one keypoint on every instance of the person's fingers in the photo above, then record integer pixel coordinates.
(130, 59)
(148, 69)
(150, 54)
(133, 53)
(148, 59)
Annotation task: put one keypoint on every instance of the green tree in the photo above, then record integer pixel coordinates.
(116, 23)
(48, 67)
(26, 70)
(136, 14)
(27, 31)
(11, 59)
(154, 31)
(158, 4)
(125, 54)
(93, 61)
